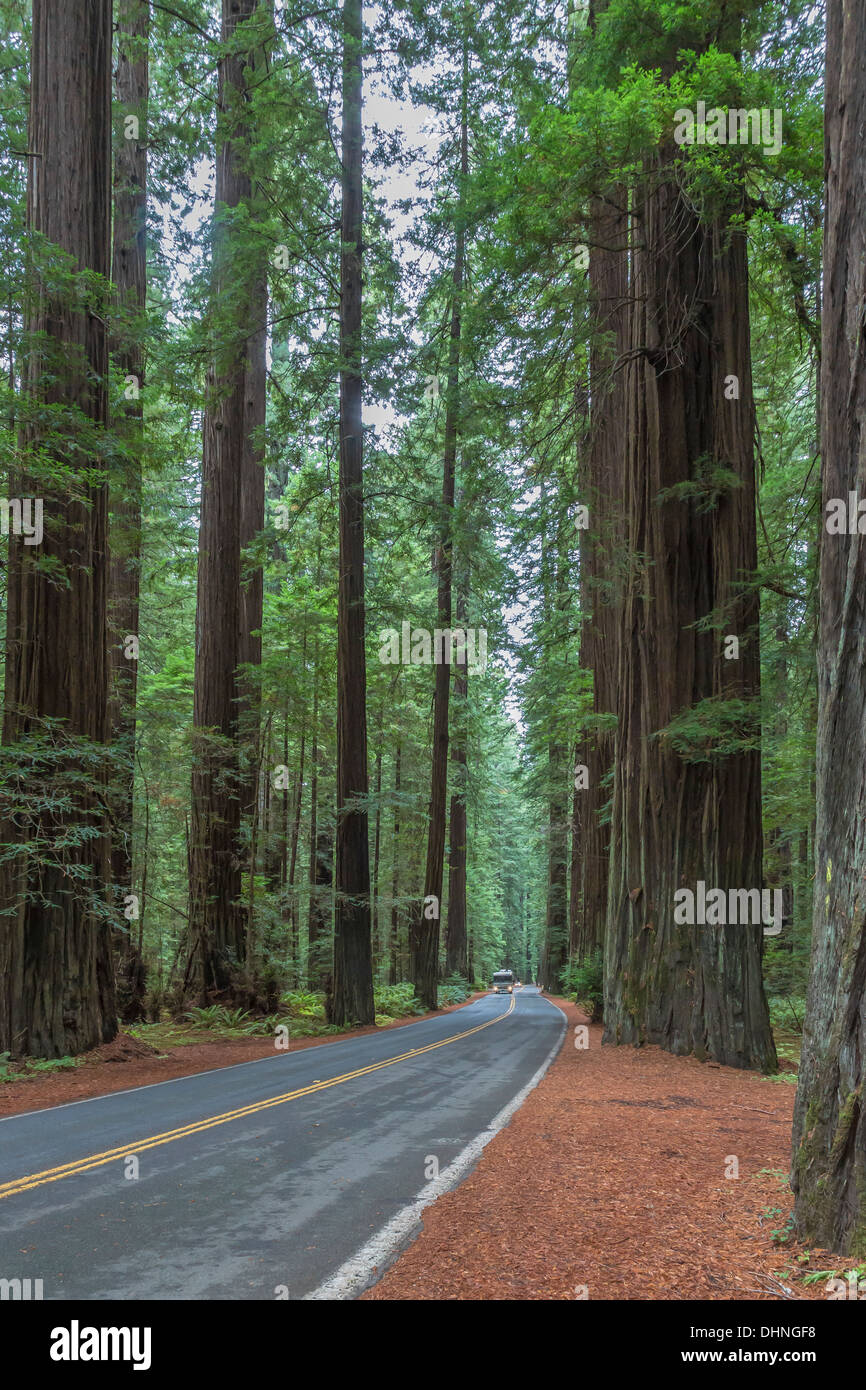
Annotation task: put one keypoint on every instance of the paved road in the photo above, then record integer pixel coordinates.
(262, 1177)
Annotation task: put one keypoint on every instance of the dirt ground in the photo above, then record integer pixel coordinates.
(610, 1183)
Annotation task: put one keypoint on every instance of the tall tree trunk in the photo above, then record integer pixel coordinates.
(576, 948)
(314, 924)
(129, 275)
(599, 544)
(556, 920)
(353, 961)
(779, 843)
(252, 520)
(232, 504)
(682, 818)
(456, 959)
(395, 880)
(294, 905)
(829, 1154)
(377, 832)
(320, 918)
(56, 981)
(425, 918)
(555, 613)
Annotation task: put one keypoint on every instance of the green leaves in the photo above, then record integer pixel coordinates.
(713, 730)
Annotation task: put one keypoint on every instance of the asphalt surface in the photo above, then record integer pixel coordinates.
(268, 1202)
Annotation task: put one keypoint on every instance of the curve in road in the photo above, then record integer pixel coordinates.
(214, 1186)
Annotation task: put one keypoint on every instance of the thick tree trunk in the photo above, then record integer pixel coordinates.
(252, 520)
(600, 543)
(232, 506)
(829, 1156)
(681, 818)
(353, 962)
(129, 275)
(56, 979)
(425, 918)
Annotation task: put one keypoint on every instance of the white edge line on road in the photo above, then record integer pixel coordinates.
(233, 1066)
(357, 1274)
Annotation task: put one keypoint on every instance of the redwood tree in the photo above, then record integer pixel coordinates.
(353, 961)
(456, 944)
(56, 985)
(556, 619)
(425, 920)
(687, 805)
(232, 505)
(829, 1168)
(599, 544)
(129, 276)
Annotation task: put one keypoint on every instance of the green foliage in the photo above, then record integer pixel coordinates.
(303, 1003)
(711, 482)
(32, 1066)
(786, 1011)
(783, 1231)
(453, 990)
(713, 729)
(396, 1001)
(218, 1016)
(583, 981)
(820, 1276)
(544, 142)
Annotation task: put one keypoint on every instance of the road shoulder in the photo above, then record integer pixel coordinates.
(610, 1183)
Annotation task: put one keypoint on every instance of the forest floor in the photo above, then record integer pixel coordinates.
(609, 1183)
(129, 1061)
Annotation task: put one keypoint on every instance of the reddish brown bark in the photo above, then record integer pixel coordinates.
(56, 985)
(600, 546)
(395, 880)
(320, 921)
(456, 956)
(232, 506)
(129, 276)
(829, 1160)
(353, 964)
(679, 819)
(425, 919)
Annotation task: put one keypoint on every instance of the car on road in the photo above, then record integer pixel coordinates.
(503, 982)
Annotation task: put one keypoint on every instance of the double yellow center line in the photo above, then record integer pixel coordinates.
(83, 1165)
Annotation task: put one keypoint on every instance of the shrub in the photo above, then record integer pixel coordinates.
(397, 1001)
(583, 981)
(452, 991)
(304, 1003)
(786, 1011)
